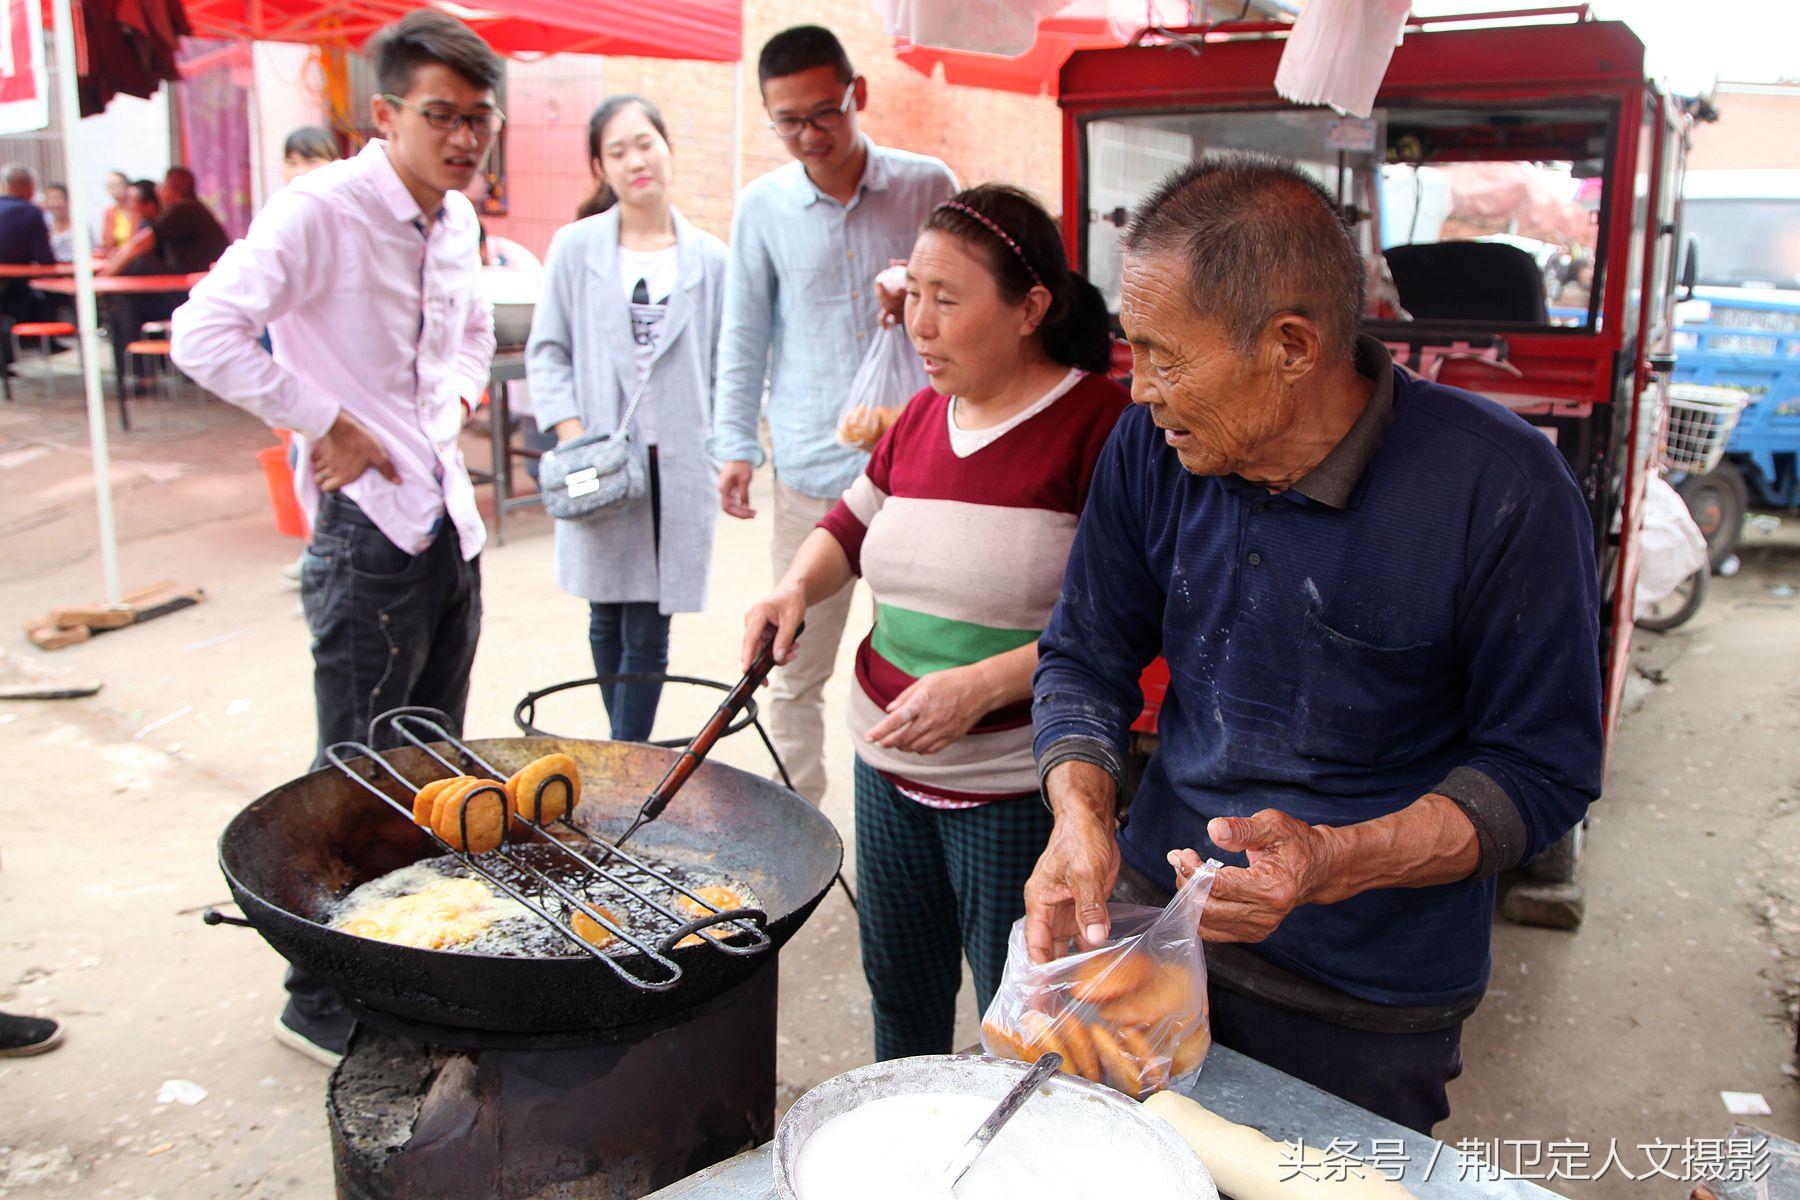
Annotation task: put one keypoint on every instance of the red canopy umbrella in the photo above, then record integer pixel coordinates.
(712, 30)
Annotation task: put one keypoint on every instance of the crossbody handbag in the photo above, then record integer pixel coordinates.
(595, 472)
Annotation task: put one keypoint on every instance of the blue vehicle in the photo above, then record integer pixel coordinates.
(1740, 328)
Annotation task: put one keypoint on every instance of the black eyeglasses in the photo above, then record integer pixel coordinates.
(441, 116)
(825, 122)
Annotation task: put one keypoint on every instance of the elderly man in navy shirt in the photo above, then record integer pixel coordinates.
(1378, 602)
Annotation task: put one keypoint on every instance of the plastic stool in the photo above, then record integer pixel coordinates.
(155, 350)
(44, 331)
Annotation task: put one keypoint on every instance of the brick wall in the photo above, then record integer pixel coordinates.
(984, 136)
(1756, 128)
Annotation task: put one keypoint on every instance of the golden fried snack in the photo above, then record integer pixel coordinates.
(1079, 1046)
(863, 425)
(481, 810)
(1153, 1068)
(1121, 1068)
(425, 799)
(1109, 976)
(522, 788)
(1191, 1050)
(1039, 1035)
(716, 894)
(1005, 1044)
(458, 786)
(1168, 990)
(592, 931)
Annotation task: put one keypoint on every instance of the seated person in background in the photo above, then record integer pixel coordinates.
(117, 223)
(183, 236)
(180, 237)
(56, 220)
(24, 238)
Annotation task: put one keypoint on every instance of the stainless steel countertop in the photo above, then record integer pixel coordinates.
(1243, 1090)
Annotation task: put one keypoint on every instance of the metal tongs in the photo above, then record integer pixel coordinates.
(696, 751)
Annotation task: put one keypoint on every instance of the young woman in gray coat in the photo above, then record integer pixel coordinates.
(631, 290)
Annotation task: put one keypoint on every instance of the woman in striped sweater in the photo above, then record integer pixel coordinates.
(962, 525)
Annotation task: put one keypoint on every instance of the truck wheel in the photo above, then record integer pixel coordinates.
(1717, 501)
(1679, 607)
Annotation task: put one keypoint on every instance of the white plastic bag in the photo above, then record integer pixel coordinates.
(1672, 547)
(1131, 1014)
(885, 381)
(1339, 51)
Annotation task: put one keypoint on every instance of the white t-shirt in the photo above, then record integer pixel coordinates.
(964, 442)
(655, 271)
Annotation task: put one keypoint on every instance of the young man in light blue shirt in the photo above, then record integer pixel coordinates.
(807, 241)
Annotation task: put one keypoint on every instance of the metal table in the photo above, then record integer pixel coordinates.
(508, 365)
(1243, 1090)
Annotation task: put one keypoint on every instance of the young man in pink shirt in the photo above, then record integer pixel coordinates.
(365, 274)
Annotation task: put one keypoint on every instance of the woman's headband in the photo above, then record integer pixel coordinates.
(998, 232)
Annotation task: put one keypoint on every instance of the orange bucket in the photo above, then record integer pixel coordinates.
(288, 517)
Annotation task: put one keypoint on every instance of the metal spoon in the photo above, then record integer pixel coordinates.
(1009, 1104)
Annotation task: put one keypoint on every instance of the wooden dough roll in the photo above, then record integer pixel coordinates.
(1248, 1166)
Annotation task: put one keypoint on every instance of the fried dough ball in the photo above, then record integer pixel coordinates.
(718, 895)
(1191, 1050)
(558, 800)
(459, 786)
(480, 809)
(592, 931)
(863, 425)
(1168, 990)
(1110, 975)
(425, 799)
(1004, 1043)
(1121, 1069)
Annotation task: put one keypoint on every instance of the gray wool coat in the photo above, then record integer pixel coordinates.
(582, 362)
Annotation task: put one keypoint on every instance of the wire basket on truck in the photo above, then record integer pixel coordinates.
(1701, 419)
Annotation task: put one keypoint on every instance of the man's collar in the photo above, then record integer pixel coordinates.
(391, 187)
(1333, 482)
(874, 176)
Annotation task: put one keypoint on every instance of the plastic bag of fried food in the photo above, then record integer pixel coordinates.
(885, 380)
(1130, 1014)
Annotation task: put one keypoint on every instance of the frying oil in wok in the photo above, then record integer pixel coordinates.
(417, 906)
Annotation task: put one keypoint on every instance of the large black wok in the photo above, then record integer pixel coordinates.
(307, 843)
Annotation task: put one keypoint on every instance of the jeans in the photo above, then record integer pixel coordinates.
(629, 639)
(389, 628)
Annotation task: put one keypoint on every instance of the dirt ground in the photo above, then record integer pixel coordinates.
(1681, 983)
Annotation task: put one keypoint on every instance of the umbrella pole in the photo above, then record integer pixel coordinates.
(69, 101)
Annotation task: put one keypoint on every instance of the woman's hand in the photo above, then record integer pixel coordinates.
(567, 430)
(936, 710)
(783, 608)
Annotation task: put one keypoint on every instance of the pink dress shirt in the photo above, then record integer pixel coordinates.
(372, 311)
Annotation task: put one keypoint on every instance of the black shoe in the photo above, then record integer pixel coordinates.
(21, 1037)
(322, 1039)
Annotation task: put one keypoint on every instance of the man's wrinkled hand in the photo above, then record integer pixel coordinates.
(347, 451)
(1066, 894)
(1291, 863)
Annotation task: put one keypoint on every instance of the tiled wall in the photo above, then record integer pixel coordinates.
(984, 136)
(1756, 128)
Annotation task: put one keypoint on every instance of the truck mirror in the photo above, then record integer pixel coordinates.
(1690, 267)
